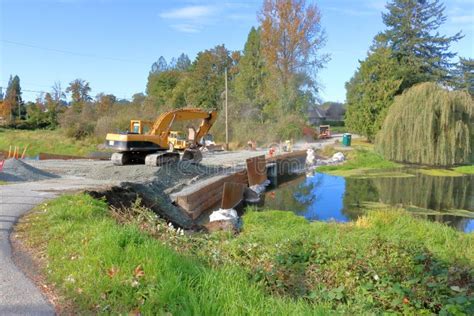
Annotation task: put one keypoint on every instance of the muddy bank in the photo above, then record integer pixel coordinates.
(155, 194)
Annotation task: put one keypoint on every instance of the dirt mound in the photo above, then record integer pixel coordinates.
(16, 170)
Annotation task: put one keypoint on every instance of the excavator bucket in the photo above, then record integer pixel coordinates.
(192, 155)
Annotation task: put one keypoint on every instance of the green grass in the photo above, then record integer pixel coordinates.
(358, 163)
(105, 267)
(279, 264)
(465, 169)
(46, 141)
(3, 182)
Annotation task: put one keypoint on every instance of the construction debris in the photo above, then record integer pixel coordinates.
(224, 215)
(232, 195)
(256, 170)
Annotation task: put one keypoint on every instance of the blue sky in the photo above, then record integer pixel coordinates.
(112, 43)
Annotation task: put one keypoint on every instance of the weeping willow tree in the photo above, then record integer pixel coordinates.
(429, 125)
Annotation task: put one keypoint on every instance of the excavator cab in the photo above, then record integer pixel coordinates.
(140, 127)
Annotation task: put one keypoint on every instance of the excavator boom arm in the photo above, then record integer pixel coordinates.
(163, 123)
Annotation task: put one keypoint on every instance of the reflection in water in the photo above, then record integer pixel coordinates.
(326, 197)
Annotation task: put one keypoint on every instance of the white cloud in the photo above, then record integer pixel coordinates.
(186, 28)
(191, 19)
(189, 13)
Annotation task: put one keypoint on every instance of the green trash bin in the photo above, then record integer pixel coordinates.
(346, 139)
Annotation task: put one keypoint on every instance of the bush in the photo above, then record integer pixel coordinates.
(429, 125)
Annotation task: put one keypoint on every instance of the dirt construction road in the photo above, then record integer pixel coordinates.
(18, 294)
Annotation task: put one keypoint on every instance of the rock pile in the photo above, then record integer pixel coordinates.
(15, 170)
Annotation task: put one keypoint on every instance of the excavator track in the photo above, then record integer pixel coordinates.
(119, 159)
(162, 158)
(127, 158)
(192, 155)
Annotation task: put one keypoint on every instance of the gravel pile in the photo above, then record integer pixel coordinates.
(15, 170)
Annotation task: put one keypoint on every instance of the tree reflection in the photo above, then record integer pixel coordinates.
(292, 194)
(422, 191)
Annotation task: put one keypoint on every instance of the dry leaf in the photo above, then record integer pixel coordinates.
(112, 272)
(138, 272)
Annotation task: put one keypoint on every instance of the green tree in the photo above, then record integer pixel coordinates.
(371, 91)
(249, 82)
(412, 35)
(161, 85)
(429, 125)
(464, 75)
(37, 116)
(52, 106)
(207, 76)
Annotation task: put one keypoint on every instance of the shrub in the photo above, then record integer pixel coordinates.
(429, 125)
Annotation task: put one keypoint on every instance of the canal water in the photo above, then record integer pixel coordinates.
(322, 197)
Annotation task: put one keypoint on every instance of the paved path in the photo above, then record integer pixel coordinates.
(18, 294)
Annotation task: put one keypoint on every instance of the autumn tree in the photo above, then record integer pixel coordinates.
(104, 103)
(13, 100)
(79, 90)
(291, 37)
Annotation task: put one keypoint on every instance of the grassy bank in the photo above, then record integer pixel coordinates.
(280, 264)
(465, 169)
(47, 141)
(359, 161)
(364, 162)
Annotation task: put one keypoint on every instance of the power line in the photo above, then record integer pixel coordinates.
(75, 53)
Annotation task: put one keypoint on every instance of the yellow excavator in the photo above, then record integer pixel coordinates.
(147, 142)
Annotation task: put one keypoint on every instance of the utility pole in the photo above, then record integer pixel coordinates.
(226, 115)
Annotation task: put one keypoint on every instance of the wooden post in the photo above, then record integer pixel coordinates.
(24, 152)
(226, 115)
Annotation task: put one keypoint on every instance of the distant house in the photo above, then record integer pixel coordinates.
(316, 115)
(334, 111)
